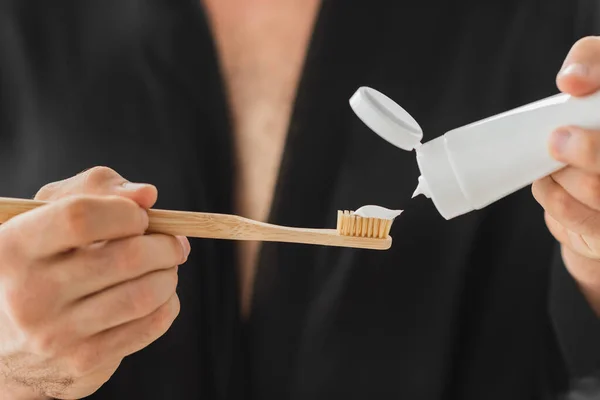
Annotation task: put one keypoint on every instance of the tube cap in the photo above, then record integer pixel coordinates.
(386, 118)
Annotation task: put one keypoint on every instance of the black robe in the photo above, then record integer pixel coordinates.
(480, 307)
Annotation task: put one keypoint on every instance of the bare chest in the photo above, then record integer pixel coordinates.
(262, 45)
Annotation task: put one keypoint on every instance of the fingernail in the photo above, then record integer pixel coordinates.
(185, 245)
(559, 141)
(131, 186)
(574, 70)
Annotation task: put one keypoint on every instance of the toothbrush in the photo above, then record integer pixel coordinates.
(365, 228)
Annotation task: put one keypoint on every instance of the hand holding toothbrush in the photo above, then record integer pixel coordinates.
(88, 275)
(81, 286)
(571, 196)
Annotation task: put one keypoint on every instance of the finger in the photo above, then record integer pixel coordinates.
(565, 209)
(95, 268)
(568, 238)
(126, 339)
(123, 303)
(100, 181)
(577, 147)
(74, 222)
(582, 185)
(580, 73)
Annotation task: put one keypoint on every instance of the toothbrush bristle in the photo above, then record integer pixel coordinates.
(349, 224)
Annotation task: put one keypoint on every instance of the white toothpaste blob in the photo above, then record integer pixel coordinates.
(377, 212)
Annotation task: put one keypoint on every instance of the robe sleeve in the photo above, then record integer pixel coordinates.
(577, 333)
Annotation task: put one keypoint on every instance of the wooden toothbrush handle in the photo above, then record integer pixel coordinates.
(221, 226)
(233, 227)
(199, 224)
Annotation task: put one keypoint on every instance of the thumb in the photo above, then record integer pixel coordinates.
(142, 193)
(101, 181)
(580, 73)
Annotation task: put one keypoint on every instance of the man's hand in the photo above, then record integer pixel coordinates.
(571, 197)
(82, 287)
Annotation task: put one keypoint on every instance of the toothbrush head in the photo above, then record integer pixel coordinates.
(368, 221)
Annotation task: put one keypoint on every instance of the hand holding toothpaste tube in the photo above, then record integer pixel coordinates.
(571, 196)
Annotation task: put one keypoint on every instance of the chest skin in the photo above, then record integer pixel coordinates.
(449, 309)
(262, 46)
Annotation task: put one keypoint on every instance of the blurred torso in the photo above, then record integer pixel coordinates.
(262, 46)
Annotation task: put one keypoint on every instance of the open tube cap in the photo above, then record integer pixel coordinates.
(386, 118)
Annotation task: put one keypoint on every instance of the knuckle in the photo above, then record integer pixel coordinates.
(141, 298)
(13, 243)
(592, 190)
(171, 280)
(587, 220)
(164, 316)
(542, 191)
(133, 255)
(98, 262)
(76, 215)
(176, 309)
(97, 176)
(48, 191)
(128, 256)
(535, 191)
(176, 251)
(560, 203)
(174, 279)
